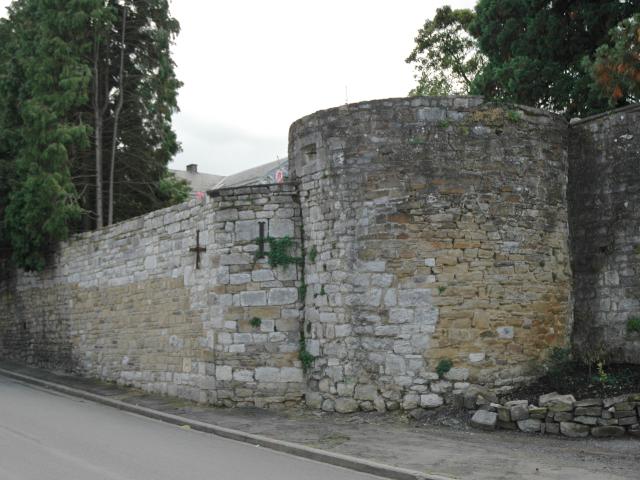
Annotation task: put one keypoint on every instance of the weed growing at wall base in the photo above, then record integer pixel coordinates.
(303, 354)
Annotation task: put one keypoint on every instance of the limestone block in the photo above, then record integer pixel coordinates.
(343, 330)
(590, 411)
(588, 402)
(585, 420)
(544, 400)
(505, 332)
(239, 278)
(267, 374)
(418, 297)
(477, 357)
(400, 315)
(264, 275)
(253, 298)
(610, 402)
(236, 259)
(519, 412)
(286, 272)
(226, 215)
(431, 400)
(391, 298)
(410, 401)
(223, 373)
(552, 428)
(313, 399)
(283, 296)
(627, 421)
(441, 386)
(373, 266)
(530, 425)
(562, 416)
(243, 375)
(571, 429)
(281, 227)
(246, 230)
(537, 412)
(345, 389)
(366, 392)
(291, 374)
(345, 405)
(328, 405)
(395, 365)
(484, 420)
(504, 414)
(457, 374)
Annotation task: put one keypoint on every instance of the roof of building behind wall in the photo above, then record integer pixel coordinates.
(199, 182)
(252, 176)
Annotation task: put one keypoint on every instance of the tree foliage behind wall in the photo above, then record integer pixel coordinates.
(536, 50)
(576, 57)
(446, 56)
(87, 92)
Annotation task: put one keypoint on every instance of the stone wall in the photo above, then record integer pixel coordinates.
(441, 232)
(604, 203)
(435, 231)
(127, 304)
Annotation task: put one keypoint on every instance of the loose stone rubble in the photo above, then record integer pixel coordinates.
(559, 414)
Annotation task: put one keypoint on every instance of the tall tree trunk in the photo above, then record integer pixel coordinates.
(98, 128)
(116, 116)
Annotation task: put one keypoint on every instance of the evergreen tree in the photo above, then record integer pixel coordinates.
(46, 80)
(88, 90)
(536, 50)
(616, 68)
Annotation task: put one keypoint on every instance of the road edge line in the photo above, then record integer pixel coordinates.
(298, 450)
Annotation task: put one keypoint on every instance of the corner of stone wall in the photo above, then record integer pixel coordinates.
(604, 191)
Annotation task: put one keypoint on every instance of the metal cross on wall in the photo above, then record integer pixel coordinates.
(198, 249)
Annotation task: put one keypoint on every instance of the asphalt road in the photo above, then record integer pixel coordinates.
(48, 436)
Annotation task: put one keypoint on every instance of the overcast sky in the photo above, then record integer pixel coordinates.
(251, 68)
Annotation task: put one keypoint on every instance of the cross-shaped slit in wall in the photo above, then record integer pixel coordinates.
(198, 249)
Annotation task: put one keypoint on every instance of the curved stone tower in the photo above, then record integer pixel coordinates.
(436, 232)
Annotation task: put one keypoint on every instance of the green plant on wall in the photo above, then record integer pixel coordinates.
(633, 325)
(514, 116)
(313, 253)
(279, 251)
(255, 322)
(303, 354)
(443, 366)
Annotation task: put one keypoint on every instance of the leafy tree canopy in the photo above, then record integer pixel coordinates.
(572, 56)
(446, 56)
(536, 50)
(616, 67)
(87, 92)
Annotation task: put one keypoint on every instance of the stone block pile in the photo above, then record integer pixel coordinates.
(559, 414)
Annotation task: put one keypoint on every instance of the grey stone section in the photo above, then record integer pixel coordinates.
(484, 420)
(127, 304)
(561, 414)
(603, 198)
